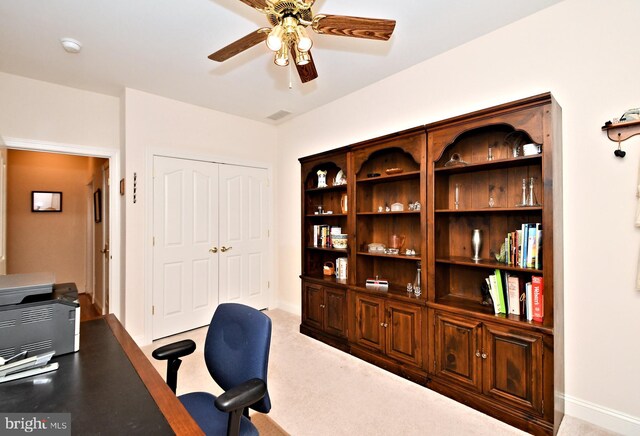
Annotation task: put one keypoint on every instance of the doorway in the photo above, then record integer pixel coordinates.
(54, 238)
(112, 156)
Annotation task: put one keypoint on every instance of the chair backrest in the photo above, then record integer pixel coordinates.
(237, 348)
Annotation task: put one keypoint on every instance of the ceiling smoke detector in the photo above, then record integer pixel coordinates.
(71, 45)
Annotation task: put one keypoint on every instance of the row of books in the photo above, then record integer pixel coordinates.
(510, 295)
(321, 236)
(523, 247)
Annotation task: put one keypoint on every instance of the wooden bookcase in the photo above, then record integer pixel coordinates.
(446, 338)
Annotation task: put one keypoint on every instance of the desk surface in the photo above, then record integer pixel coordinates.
(108, 386)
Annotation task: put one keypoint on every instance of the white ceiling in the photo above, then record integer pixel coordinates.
(161, 47)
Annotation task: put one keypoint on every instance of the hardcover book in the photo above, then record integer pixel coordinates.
(537, 294)
(513, 289)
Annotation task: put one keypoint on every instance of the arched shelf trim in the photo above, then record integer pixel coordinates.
(413, 155)
(469, 131)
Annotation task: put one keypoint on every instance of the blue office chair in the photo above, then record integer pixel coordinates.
(236, 352)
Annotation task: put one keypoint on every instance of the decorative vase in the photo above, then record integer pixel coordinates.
(476, 243)
(322, 179)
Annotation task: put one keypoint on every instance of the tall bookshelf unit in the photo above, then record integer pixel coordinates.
(465, 176)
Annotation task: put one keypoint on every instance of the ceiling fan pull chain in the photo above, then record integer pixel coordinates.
(290, 80)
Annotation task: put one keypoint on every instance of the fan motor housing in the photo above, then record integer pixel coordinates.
(300, 10)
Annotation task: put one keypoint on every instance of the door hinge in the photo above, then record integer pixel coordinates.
(434, 365)
(153, 310)
(268, 284)
(154, 241)
(268, 233)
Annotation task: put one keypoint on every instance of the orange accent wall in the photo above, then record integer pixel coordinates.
(48, 242)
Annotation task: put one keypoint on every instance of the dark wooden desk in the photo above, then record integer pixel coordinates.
(109, 387)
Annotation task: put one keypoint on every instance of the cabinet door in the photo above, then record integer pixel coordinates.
(404, 325)
(458, 355)
(513, 368)
(312, 305)
(335, 310)
(370, 322)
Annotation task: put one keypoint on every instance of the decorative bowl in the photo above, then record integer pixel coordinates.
(376, 248)
(390, 171)
(339, 241)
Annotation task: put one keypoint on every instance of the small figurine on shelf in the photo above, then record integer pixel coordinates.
(322, 178)
(341, 179)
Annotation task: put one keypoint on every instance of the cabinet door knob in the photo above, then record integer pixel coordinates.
(381, 324)
(213, 250)
(484, 355)
(477, 353)
(322, 306)
(223, 248)
(386, 325)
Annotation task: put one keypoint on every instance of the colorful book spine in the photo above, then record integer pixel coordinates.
(538, 258)
(492, 292)
(494, 287)
(513, 290)
(537, 294)
(501, 292)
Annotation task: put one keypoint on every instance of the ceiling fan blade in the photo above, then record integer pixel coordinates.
(256, 4)
(240, 45)
(357, 27)
(307, 72)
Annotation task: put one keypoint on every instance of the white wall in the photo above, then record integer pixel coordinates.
(583, 52)
(157, 124)
(35, 110)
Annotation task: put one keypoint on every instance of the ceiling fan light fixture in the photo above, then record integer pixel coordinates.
(304, 43)
(282, 56)
(274, 40)
(302, 57)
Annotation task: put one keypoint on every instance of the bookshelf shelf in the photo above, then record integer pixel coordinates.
(489, 164)
(490, 210)
(330, 249)
(415, 258)
(327, 189)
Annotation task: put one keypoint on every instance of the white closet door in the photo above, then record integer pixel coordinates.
(243, 235)
(185, 270)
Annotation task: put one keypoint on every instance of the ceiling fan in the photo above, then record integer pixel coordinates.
(289, 39)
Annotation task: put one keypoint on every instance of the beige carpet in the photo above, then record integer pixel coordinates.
(267, 426)
(318, 390)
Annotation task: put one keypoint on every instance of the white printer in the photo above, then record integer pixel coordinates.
(37, 315)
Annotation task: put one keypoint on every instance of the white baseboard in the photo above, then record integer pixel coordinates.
(601, 416)
(291, 308)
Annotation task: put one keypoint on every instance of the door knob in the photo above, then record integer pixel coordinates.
(213, 250)
(223, 248)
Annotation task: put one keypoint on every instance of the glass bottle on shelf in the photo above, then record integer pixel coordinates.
(531, 199)
(524, 194)
(417, 283)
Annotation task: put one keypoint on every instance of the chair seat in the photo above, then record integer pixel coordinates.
(202, 409)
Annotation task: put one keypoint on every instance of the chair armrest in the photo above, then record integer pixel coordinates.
(174, 350)
(241, 396)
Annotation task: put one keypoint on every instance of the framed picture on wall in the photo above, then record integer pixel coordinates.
(46, 201)
(97, 205)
